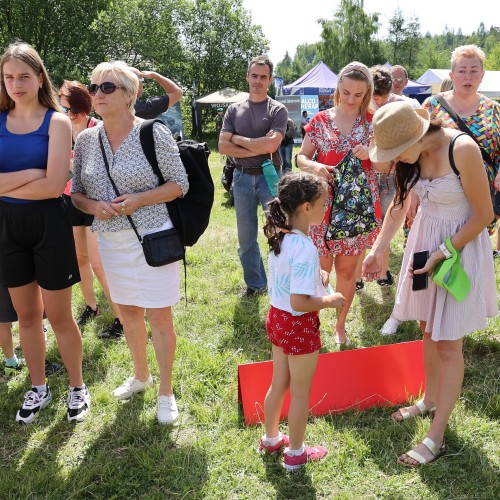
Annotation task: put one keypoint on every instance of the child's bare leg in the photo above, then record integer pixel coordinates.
(276, 393)
(302, 368)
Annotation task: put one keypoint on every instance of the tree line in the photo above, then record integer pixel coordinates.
(210, 42)
(352, 35)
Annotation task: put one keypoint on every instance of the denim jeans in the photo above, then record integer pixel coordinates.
(250, 191)
(286, 157)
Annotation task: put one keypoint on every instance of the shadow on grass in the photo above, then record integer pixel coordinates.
(370, 438)
(296, 484)
(136, 457)
(249, 330)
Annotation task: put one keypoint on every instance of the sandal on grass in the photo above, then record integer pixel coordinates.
(405, 413)
(415, 455)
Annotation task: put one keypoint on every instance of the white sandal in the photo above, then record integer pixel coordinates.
(406, 414)
(431, 446)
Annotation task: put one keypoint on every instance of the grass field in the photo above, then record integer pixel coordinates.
(121, 452)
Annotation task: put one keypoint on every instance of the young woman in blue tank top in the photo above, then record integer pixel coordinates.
(37, 253)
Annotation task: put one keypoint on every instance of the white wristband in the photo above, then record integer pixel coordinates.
(445, 250)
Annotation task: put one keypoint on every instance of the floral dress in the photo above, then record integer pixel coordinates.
(331, 146)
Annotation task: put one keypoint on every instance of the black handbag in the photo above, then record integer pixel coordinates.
(160, 248)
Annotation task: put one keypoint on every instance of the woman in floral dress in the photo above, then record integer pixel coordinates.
(330, 135)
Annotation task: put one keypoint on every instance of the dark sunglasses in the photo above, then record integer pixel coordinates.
(106, 88)
(67, 110)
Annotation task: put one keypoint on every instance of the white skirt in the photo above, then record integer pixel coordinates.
(131, 280)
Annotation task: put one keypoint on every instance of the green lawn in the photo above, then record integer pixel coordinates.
(120, 451)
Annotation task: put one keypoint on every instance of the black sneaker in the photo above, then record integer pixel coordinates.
(253, 292)
(78, 404)
(114, 331)
(496, 254)
(389, 281)
(87, 315)
(360, 286)
(51, 368)
(33, 403)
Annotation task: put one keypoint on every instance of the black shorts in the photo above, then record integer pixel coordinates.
(7, 312)
(76, 216)
(36, 244)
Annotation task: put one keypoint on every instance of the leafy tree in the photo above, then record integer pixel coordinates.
(219, 40)
(350, 36)
(58, 30)
(398, 34)
(305, 58)
(492, 61)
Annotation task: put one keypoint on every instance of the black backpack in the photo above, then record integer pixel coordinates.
(190, 215)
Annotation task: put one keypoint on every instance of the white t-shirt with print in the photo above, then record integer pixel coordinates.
(296, 270)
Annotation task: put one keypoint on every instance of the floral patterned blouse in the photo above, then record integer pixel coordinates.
(331, 147)
(130, 171)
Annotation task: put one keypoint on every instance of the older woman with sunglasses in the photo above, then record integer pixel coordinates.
(136, 287)
(76, 102)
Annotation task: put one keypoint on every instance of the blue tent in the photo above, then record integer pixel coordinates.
(319, 80)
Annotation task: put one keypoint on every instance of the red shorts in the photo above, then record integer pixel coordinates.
(294, 334)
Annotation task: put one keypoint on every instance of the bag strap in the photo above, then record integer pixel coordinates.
(106, 164)
(450, 154)
(463, 127)
(148, 146)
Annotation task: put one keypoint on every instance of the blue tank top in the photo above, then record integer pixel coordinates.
(23, 151)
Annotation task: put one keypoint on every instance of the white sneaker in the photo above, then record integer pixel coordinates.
(132, 386)
(78, 404)
(390, 326)
(167, 410)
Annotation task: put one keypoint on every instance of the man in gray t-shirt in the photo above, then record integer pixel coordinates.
(251, 133)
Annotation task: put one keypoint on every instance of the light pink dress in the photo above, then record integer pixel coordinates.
(444, 209)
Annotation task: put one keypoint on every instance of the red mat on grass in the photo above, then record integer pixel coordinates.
(347, 380)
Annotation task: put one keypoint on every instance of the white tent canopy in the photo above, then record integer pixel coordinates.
(490, 86)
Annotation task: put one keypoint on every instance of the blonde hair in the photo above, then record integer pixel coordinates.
(126, 78)
(359, 72)
(21, 51)
(469, 51)
(446, 84)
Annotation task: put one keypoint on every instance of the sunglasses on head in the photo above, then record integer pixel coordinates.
(106, 88)
(67, 110)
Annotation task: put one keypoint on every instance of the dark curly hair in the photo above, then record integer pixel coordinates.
(382, 80)
(294, 189)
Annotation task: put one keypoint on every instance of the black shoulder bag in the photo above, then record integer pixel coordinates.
(160, 248)
(495, 195)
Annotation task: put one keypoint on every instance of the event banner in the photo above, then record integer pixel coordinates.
(309, 103)
(293, 104)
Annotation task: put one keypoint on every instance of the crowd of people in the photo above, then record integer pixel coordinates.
(373, 162)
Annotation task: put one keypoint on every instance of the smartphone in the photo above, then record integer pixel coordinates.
(420, 281)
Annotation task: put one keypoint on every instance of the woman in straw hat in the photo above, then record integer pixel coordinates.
(453, 204)
(331, 134)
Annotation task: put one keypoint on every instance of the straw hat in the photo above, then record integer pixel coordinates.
(396, 127)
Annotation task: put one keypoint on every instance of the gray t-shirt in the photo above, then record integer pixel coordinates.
(256, 119)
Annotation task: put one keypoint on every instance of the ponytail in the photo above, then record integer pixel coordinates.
(276, 226)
